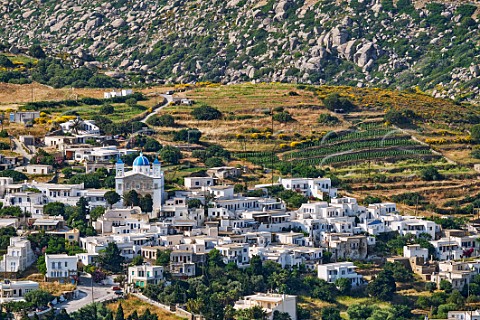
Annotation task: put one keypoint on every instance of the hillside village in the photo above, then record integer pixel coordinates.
(131, 234)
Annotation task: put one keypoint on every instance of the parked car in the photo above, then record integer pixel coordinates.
(116, 288)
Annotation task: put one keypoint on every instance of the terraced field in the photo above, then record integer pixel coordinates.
(374, 142)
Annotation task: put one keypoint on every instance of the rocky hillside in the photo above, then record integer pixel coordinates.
(386, 43)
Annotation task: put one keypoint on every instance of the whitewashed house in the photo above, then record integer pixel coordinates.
(415, 250)
(61, 268)
(270, 302)
(142, 276)
(19, 255)
(310, 187)
(332, 271)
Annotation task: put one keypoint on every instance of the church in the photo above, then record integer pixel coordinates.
(144, 179)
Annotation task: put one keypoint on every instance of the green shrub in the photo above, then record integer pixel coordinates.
(334, 102)
(107, 109)
(327, 119)
(205, 112)
(283, 117)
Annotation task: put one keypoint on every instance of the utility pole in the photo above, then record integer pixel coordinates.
(273, 150)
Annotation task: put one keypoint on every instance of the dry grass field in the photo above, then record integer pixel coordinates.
(246, 108)
(132, 303)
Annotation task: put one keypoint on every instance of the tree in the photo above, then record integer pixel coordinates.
(371, 199)
(67, 173)
(112, 197)
(83, 207)
(400, 311)
(38, 298)
(400, 273)
(324, 290)
(205, 112)
(327, 119)
(137, 261)
(146, 203)
(54, 209)
(119, 314)
(360, 311)
(12, 212)
(110, 258)
(331, 313)
(152, 145)
(430, 173)
(194, 203)
(36, 51)
(107, 109)
(15, 175)
(190, 135)
(277, 315)
(383, 287)
(344, 285)
(41, 266)
(399, 117)
(380, 314)
(164, 120)
(214, 162)
(131, 102)
(5, 62)
(475, 133)
(334, 102)
(63, 315)
(283, 117)
(254, 313)
(445, 285)
(171, 154)
(131, 198)
(163, 257)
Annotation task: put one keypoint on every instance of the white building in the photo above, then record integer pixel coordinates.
(24, 116)
(270, 302)
(447, 249)
(415, 250)
(61, 267)
(235, 252)
(80, 127)
(198, 182)
(144, 179)
(121, 93)
(19, 256)
(410, 225)
(16, 290)
(332, 271)
(456, 272)
(142, 276)
(32, 196)
(310, 187)
(464, 315)
(39, 169)
(87, 258)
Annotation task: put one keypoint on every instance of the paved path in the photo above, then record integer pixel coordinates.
(100, 293)
(19, 149)
(168, 99)
(425, 144)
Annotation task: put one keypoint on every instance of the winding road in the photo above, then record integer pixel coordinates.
(168, 99)
(100, 293)
(19, 149)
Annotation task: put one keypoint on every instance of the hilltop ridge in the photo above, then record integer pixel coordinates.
(366, 44)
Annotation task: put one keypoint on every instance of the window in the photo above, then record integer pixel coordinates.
(66, 264)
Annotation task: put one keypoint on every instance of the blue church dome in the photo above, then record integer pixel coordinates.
(141, 160)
